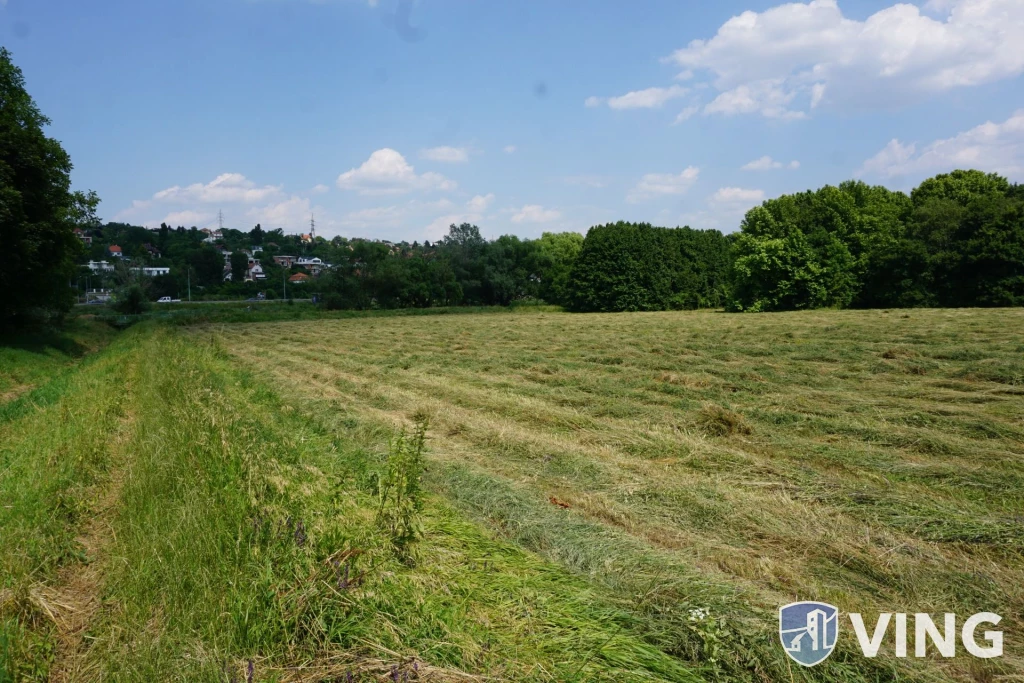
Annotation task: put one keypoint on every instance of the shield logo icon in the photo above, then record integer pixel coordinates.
(808, 631)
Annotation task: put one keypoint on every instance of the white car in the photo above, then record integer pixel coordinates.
(168, 300)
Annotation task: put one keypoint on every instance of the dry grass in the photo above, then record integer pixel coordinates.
(872, 459)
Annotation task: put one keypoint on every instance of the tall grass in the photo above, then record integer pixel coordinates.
(246, 534)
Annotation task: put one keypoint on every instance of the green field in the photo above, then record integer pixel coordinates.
(195, 498)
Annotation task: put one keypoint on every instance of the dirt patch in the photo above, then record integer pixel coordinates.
(77, 599)
(14, 393)
(80, 585)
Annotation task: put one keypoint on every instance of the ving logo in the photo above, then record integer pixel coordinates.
(808, 631)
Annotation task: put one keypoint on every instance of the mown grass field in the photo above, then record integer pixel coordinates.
(872, 459)
(198, 503)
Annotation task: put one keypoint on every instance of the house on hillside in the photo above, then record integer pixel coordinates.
(86, 239)
(284, 261)
(115, 251)
(298, 279)
(313, 265)
(212, 235)
(255, 271)
(305, 239)
(151, 250)
(100, 266)
(152, 272)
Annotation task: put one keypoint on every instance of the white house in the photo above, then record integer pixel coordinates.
(255, 272)
(313, 265)
(98, 266)
(152, 272)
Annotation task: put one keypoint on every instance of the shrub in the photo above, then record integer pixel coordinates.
(399, 490)
(131, 301)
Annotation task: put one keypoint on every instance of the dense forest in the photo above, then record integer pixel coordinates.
(955, 240)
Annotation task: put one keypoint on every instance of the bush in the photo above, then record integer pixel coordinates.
(399, 489)
(131, 301)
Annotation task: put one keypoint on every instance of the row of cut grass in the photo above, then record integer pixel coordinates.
(872, 459)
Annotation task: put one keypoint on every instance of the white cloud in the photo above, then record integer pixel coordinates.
(188, 218)
(734, 196)
(766, 163)
(650, 98)
(767, 97)
(661, 184)
(647, 99)
(291, 214)
(387, 172)
(510, 149)
(480, 202)
(374, 217)
(320, 189)
(227, 187)
(534, 213)
(449, 155)
(685, 114)
(811, 53)
(473, 213)
(993, 147)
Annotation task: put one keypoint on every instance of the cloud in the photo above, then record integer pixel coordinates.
(375, 217)
(186, 205)
(661, 184)
(993, 147)
(291, 214)
(534, 213)
(510, 149)
(735, 196)
(227, 187)
(472, 213)
(802, 55)
(766, 163)
(450, 155)
(685, 114)
(480, 202)
(650, 98)
(188, 218)
(767, 97)
(320, 189)
(387, 172)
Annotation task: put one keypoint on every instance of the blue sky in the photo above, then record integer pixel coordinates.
(392, 119)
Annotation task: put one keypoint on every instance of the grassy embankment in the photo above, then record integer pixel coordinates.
(173, 519)
(871, 459)
(31, 358)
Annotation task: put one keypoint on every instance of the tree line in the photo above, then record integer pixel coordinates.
(955, 240)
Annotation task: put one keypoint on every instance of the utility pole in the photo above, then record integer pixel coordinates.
(312, 228)
(190, 284)
(220, 221)
(284, 285)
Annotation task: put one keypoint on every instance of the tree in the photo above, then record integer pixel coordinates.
(239, 265)
(38, 210)
(798, 251)
(208, 265)
(638, 267)
(558, 252)
(256, 234)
